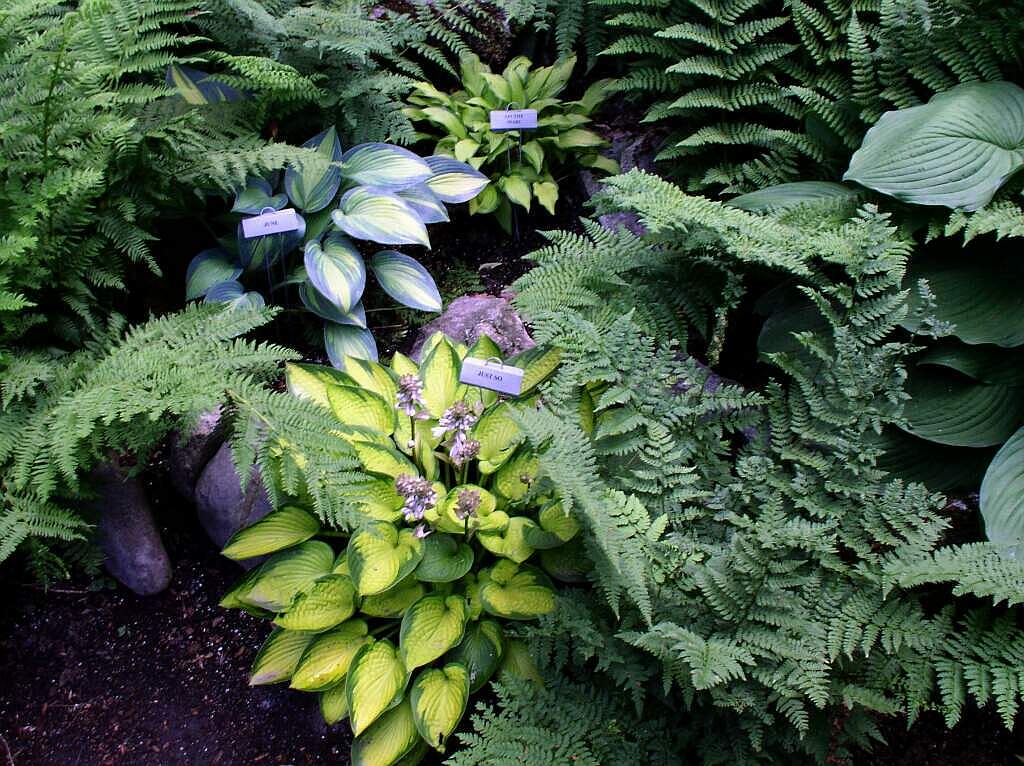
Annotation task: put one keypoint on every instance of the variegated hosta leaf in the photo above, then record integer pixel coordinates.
(454, 181)
(445, 559)
(380, 555)
(556, 528)
(257, 253)
(511, 543)
(277, 530)
(234, 296)
(376, 682)
(284, 575)
(334, 704)
(374, 377)
(197, 87)
(387, 741)
(378, 499)
(384, 166)
(356, 406)
(516, 592)
(440, 375)
(311, 381)
(279, 656)
(336, 270)
(480, 651)
(405, 280)
(341, 340)
(326, 660)
(393, 603)
(568, 562)
(509, 479)
(537, 363)
(207, 269)
(448, 520)
(518, 662)
(327, 602)
(383, 460)
(379, 216)
(403, 365)
(498, 436)
(257, 196)
(431, 627)
(312, 186)
(323, 308)
(438, 697)
(426, 204)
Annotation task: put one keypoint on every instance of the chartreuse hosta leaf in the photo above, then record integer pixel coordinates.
(361, 408)
(379, 216)
(380, 555)
(556, 527)
(279, 656)
(312, 185)
(378, 499)
(384, 166)
(431, 627)
(277, 530)
(513, 479)
(336, 269)
(567, 562)
(284, 575)
(483, 517)
(498, 436)
(440, 375)
(454, 181)
(389, 740)
(480, 652)
(394, 602)
(516, 592)
(341, 340)
(518, 662)
(405, 280)
(257, 196)
(198, 88)
(334, 704)
(445, 559)
(537, 363)
(327, 602)
(207, 269)
(403, 365)
(511, 543)
(374, 377)
(1002, 496)
(327, 658)
(376, 682)
(438, 697)
(311, 381)
(957, 150)
(323, 308)
(383, 460)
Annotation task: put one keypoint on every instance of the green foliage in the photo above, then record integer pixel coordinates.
(437, 511)
(790, 588)
(462, 120)
(759, 93)
(377, 192)
(117, 398)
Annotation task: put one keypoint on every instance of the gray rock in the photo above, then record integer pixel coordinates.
(631, 151)
(223, 505)
(188, 456)
(127, 534)
(469, 317)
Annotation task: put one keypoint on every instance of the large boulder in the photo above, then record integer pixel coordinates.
(631, 149)
(469, 317)
(127, 533)
(188, 455)
(223, 504)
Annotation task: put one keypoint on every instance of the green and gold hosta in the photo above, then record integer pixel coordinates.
(520, 163)
(397, 622)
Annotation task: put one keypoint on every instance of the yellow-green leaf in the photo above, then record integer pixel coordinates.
(328, 602)
(394, 602)
(376, 682)
(281, 577)
(537, 364)
(438, 697)
(388, 740)
(480, 651)
(498, 436)
(379, 500)
(379, 556)
(448, 520)
(334, 704)
(373, 377)
(440, 375)
(511, 542)
(518, 662)
(279, 656)
(516, 189)
(327, 659)
(513, 479)
(403, 365)
(277, 530)
(546, 193)
(431, 627)
(362, 408)
(311, 381)
(377, 458)
(516, 592)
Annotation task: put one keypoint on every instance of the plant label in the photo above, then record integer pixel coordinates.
(493, 375)
(275, 222)
(514, 119)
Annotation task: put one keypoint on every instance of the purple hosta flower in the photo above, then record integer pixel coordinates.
(422, 530)
(458, 420)
(419, 496)
(466, 505)
(410, 397)
(462, 449)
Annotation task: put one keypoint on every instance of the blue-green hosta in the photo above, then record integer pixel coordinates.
(376, 192)
(395, 623)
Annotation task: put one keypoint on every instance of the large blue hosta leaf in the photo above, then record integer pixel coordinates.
(336, 270)
(234, 295)
(384, 166)
(379, 216)
(454, 181)
(788, 196)
(956, 150)
(257, 196)
(324, 309)
(405, 280)
(312, 186)
(343, 340)
(258, 252)
(198, 87)
(207, 269)
(426, 204)
(1002, 497)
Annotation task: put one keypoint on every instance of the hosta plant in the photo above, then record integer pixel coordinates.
(396, 621)
(521, 163)
(376, 192)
